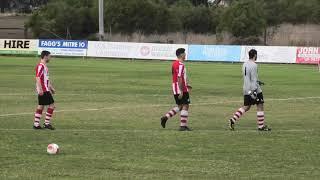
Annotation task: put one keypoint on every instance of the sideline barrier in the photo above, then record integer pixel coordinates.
(63, 47)
(133, 50)
(271, 54)
(18, 46)
(214, 53)
(222, 53)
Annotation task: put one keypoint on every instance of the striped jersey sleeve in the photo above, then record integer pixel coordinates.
(39, 70)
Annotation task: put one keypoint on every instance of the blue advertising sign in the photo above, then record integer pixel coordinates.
(64, 47)
(214, 53)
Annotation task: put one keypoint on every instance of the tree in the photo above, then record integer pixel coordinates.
(137, 16)
(63, 19)
(244, 19)
(291, 11)
(200, 2)
(194, 2)
(3, 5)
(300, 11)
(199, 20)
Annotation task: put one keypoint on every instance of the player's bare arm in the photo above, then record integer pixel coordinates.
(52, 89)
(188, 85)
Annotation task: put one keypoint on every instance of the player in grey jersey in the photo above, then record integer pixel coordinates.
(252, 93)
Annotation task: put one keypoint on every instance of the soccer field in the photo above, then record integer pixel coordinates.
(108, 122)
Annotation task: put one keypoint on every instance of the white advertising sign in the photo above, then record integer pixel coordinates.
(133, 50)
(158, 51)
(18, 46)
(111, 49)
(271, 54)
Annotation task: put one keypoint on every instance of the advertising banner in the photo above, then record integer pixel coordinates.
(271, 54)
(111, 49)
(63, 47)
(134, 50)
(18, 46)
(214, 53)
(158, 51)
(308, 55)
(223, 53)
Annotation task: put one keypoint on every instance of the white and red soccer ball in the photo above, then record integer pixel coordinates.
(53, 149)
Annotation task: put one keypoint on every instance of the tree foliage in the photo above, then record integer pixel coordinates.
(135, 15)
(243, 18)
(63, 19)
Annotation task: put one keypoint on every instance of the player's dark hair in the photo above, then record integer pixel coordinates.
(44, 54)
(180, 51)
(252, 53)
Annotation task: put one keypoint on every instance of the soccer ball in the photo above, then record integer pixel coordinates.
(53, 149)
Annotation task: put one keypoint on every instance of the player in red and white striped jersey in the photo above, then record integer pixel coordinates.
(179, 72)
(45, 90)
(180, 88)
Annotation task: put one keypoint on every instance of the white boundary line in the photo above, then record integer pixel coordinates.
(163, 130)
(154, 105)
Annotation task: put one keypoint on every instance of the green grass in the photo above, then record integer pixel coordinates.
(108, 127)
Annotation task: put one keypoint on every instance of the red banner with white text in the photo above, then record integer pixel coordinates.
(308, 55)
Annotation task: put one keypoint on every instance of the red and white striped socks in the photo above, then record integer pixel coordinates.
(184, 118)
(183, 115)
(237, 115)
(37, 117)
(48, 116)
(260, 119)
(172, 112)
